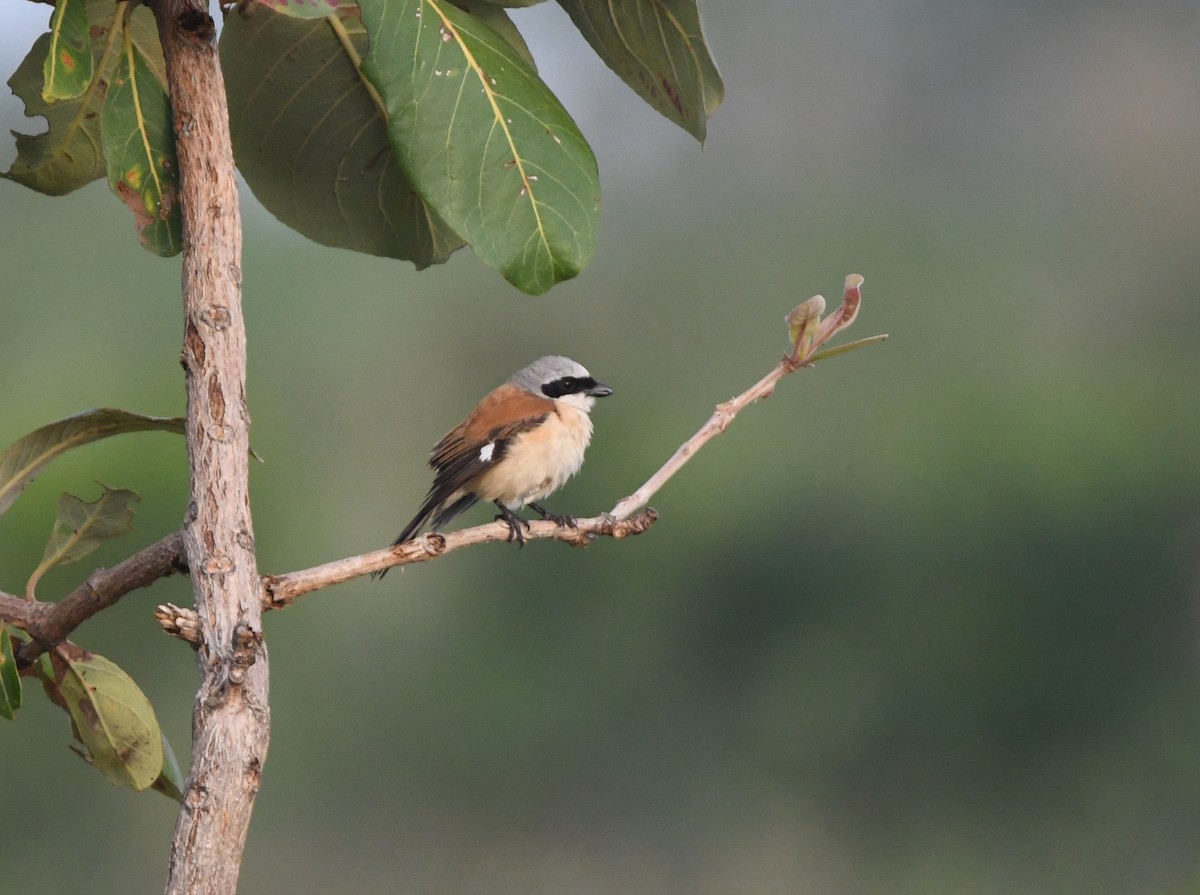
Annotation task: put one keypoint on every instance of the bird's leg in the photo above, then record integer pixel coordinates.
(514, 523)
(561, 520)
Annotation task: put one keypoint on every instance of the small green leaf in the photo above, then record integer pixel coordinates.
(803, 322)
(112, 717)
(27, 456)
(139, 149)
(315, 150)
(10, 680)
(483, 140)
(83, 526)
(657, 47)
(67, 71)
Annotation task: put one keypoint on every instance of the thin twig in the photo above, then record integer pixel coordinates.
(282, 590)
(809, 333)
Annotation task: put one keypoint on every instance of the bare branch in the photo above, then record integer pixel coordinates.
(282, 590)
(51, 623)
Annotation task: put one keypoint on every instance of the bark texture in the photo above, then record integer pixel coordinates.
(231, 716)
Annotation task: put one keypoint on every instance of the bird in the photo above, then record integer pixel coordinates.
(522, 442)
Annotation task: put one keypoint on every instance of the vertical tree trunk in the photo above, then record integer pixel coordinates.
(231, 716)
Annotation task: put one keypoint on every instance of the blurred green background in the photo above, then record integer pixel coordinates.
(924, 622)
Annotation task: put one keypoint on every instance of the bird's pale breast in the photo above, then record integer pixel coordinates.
(540, 461)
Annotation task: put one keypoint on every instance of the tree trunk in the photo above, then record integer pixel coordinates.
(231, 719)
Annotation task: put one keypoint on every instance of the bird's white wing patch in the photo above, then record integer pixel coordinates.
(485, 452)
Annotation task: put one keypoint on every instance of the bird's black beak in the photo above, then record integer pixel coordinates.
(599, 390)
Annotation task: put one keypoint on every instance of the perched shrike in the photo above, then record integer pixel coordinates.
(521, 442)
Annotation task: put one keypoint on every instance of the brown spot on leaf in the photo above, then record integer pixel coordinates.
(87, 711)
(136, 202)
(71, 651)
(672, 95)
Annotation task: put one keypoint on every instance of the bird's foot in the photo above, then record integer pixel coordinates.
(562, 520)
(514, 522)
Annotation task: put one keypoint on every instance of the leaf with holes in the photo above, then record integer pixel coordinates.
(27, 456)
(110, 715)
(82, 526)
(139, 148)
(657, 47)
(483, 140)
(70, 153)
(67, 71)
(315, 150)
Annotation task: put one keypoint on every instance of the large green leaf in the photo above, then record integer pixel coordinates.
(27, 456)
(657, 47)
(312, 142)
(82, 526)
(139, 147)
(67, 70)
(112, 717)
(483, 140)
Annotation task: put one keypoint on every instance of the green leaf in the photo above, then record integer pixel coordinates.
(83, 526)
(511, 4)
(112, 717)
(67, 71)
(139, 149)
(312, 141)
(483, 140)
(10, 681)
(305, 9)
(494, 16)
(27, 456)
(70, 154)
(657, 47)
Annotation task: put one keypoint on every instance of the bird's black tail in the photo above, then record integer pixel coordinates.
(428, 508)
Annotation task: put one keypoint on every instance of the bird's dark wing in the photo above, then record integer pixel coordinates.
(464, 454)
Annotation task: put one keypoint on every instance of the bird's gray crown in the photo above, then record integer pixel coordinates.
(545, 370)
